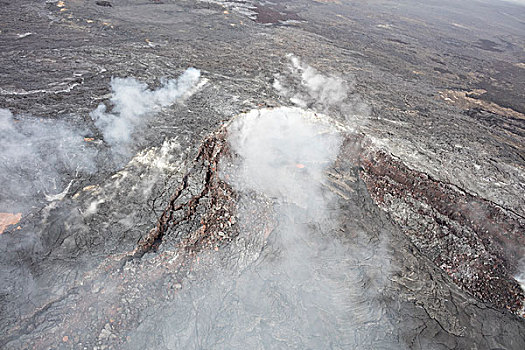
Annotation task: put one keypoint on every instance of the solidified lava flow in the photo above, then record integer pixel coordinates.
(242, 174)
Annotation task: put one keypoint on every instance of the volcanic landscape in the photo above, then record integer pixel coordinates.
(245, 174)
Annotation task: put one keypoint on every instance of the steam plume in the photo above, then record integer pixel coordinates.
(38, 158)
(133, 104)
(306, 87)
(305, 287)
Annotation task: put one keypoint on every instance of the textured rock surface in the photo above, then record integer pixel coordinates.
(426, 197)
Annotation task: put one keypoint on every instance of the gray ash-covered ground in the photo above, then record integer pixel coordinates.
(333, 174)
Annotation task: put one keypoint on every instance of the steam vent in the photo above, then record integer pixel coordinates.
(244, 174)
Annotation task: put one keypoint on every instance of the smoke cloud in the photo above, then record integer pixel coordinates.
(134, 103)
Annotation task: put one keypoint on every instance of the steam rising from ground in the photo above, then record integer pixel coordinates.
(284, 155)
(317, 88)
(45, 159)
(41, 158)
(308, 285)
(303, 272)
(302, 285)
(312, 281)
(306, 87)
(34, 156)
(520, 276)
(133, 104)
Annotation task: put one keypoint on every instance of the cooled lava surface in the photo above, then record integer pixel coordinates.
(255, 174)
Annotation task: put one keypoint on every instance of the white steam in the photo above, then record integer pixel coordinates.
(139, 177)
(306, 286)
(36, 157)
(301, 273)
(41, 158)
(317, 88)
(284, 152)
(306, 87)
(133, 104)
(520, 277)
